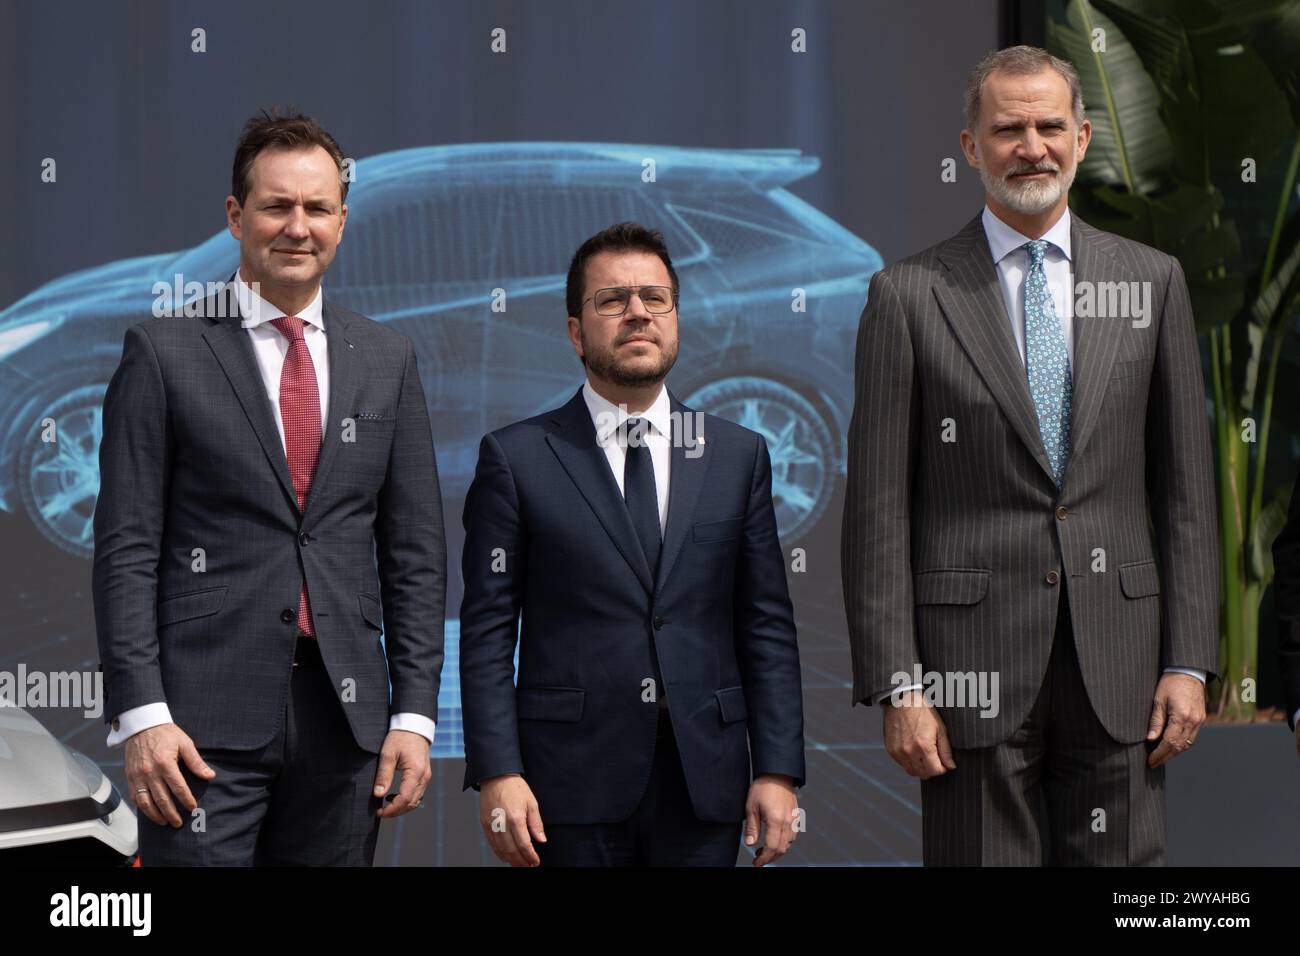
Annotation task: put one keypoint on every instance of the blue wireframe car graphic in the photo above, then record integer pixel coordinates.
(438, 236)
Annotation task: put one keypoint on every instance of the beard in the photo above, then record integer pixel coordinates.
(605, 364)
(1028, 198)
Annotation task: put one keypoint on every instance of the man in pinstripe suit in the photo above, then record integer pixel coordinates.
(1030, 508)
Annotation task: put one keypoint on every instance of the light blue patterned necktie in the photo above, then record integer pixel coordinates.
(1047, 362)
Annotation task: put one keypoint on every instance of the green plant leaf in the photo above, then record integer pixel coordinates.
(1286, 397)
(1216, 301)
(1284, 285)
(1272, 518)
(1130, 147)
(1220, 101)
(1274, 30)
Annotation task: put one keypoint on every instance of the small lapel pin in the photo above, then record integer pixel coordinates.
(700, 440)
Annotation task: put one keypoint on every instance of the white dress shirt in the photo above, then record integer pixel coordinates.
(1012, 263)
(270, 346)
(607, 417)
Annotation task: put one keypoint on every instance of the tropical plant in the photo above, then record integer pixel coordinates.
(1195, 109)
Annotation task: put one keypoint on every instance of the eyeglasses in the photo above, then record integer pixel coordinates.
(657, 299)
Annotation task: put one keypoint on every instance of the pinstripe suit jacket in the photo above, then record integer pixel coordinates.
(191, 458)
(957, 544)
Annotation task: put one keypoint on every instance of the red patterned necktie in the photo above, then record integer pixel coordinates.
(300, 415)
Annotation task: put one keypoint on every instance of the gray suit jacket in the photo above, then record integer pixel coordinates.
(955, 553)
(191, 458)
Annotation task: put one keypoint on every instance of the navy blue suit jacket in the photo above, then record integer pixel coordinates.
(548, 535)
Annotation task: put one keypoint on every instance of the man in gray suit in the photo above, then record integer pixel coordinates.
(1029, 554)
(268, 486)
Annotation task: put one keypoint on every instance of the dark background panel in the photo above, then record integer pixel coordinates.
(143, 130)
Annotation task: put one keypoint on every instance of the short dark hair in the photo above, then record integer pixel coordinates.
(620, 237)
(274, 129)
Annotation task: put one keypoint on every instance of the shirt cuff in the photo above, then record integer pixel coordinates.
(1190, 671)
(415, 723)
(131, 722)
(893, 690)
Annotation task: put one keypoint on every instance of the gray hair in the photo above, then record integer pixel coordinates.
(1020, 61)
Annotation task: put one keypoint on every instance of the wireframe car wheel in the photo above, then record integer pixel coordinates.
(60, 479)
(798, 441)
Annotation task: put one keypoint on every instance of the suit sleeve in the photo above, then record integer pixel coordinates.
(876, 538)
(766, 646)
(412, 555)
(1180, 487)
(135, 455)
(493, 566)
(1286, 602)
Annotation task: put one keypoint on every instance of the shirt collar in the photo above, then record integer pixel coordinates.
(1003, 239)
(254, 310)
(607, 416)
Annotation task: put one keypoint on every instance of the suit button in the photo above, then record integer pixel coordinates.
(659, 623)
(288, 616)
(303, 538)
(1052, 577)
(1061, 512)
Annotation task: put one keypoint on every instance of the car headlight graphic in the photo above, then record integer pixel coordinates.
(11, 340)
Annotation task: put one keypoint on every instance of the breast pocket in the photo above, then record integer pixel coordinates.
(1130, 369)
(369, 424)
(727, 529)
(367, 440)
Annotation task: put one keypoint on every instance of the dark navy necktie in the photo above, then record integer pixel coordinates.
(639, 491)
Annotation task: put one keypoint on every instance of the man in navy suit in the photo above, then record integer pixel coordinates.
(657, 654)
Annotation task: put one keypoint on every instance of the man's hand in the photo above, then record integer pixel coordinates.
(1178, 711)
(772, 802)
(407, 752)
(152, 760)
(916, 737)
(511, 820)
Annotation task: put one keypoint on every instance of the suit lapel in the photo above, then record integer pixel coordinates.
(230, 344)
(685, 481)
(971, 298)
(574, 443)
(1096, 339)
(343, 389)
